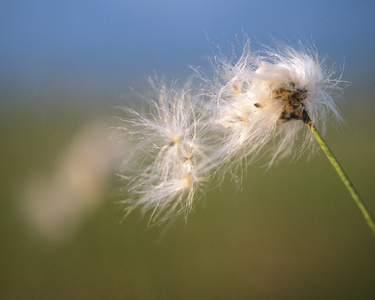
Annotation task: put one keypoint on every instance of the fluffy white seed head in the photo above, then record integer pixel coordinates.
(256, 104)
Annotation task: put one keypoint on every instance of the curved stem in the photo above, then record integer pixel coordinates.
(344, 178)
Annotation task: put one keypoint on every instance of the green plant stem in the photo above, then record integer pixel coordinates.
(327, 151)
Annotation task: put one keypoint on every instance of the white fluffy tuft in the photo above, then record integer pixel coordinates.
(256, 104)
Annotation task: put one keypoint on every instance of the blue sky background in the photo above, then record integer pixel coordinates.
(109, 45)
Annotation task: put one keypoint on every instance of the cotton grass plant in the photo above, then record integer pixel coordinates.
(255, 105)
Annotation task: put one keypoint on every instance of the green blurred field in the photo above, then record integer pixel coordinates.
(292, 233)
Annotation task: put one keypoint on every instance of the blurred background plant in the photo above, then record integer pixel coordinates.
(65, 66)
